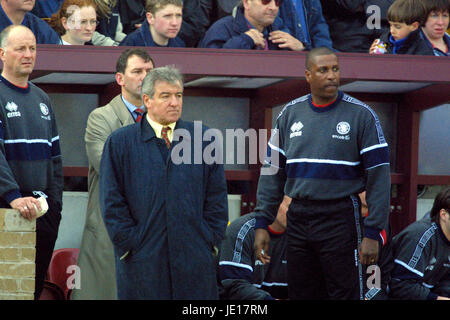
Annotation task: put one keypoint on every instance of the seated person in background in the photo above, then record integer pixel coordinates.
(254, 26)
(132, 14)
(241, 276)
(44, 9)
(422, 255)
(109, 28)
(437, 21)
(75, 22)
(355, 24)
(18, 12)
(161, 27)
(304, 20)
(405, 18)
(197, 17)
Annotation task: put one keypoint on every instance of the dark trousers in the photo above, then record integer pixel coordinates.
(322, 252)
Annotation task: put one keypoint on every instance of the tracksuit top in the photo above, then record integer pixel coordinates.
(421, 255)
(242, 276)
(30, 156)
(327, 153)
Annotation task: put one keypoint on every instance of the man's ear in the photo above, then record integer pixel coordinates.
(2, 54)
(150, 17)
(307, 75)
(119, 78)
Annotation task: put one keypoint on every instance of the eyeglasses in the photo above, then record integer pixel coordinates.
(76, 24)
(84, 23)
(266, 2)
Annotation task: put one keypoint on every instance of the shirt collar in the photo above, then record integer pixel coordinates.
(131, 107)
(157, 127)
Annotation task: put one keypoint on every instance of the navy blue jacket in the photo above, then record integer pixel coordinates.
(42, 31)
(229, 33)
(143, 38)
(436, 51)
(167, 216)
(319, 35)
(412, 44)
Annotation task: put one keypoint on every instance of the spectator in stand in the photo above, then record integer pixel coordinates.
(75, 22)
(437, 21)
(355, 24)
(304, 20)
(161, 27)
(405, 18)
(132, 14)
(18, 12)
(253, 25)
(109, 29)
(197, 17)
(241, 275)
(45, 9)
(422, 255)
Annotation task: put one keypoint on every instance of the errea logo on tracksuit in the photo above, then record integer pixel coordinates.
(296, 129)
(12, 108)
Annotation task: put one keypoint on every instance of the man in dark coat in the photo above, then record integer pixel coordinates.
(253, 25)
(355, 24)
(164, 216)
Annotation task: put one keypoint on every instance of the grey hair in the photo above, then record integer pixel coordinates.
(168, 74)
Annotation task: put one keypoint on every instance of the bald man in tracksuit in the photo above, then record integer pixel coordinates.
(329, 147)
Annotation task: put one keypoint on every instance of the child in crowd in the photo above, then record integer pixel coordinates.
(405, 18)
(75, 21)
(161, 26)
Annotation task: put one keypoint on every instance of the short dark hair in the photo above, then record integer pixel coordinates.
(407, 11)
(435, 5)
(442, 201)
(321, 51)
(122, 62)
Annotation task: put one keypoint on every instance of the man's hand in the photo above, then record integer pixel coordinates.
(368, 252)
(285, 40)
(27, 206)
(257, 37)
(262, 240)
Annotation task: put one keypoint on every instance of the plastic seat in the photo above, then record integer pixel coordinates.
(57, 272)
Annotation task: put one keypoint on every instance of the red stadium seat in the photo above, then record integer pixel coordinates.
(58, 273)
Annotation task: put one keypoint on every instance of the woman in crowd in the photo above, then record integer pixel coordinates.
(75, 21)
(436, 24)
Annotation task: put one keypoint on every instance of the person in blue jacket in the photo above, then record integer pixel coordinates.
(164, 214)
(18, 12)
(253, 25)
(304, 20)
(161, 26)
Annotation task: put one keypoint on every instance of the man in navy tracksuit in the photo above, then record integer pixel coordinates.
(421, 255)
(30, 156)
(329, 147)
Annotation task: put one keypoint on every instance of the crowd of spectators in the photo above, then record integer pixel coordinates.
(376, 27)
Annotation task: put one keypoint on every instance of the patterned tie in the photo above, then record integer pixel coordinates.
(139, 113)
(164, 135)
